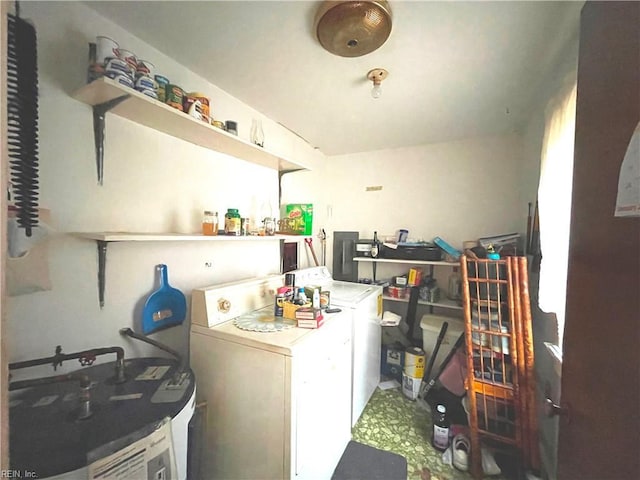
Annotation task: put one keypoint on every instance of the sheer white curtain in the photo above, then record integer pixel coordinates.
(554, 201)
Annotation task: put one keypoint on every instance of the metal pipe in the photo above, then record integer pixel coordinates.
(86, 357)
(84, 410)
(129, 332)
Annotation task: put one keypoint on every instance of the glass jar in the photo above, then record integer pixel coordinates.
(210, 223)
(232, 222)
(257, 135)
(269, 226)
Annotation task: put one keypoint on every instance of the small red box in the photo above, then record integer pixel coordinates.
(308, 323)
(309, 317)
(415, 277)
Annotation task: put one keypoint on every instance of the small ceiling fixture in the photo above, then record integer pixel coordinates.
(376, 76)
(353, 28)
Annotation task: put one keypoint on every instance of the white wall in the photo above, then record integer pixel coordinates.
(152, 183)
(458, 191)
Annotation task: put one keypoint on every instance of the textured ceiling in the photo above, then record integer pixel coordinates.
(456, 69)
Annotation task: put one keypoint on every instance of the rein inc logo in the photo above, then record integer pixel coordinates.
(18, 474)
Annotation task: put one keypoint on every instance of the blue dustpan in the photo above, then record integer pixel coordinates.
(166, 307)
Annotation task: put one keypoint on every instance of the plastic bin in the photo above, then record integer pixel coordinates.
(431, 325)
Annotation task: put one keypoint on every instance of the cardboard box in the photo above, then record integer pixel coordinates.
(415, 277)
(308, 313)
(311, 323)
(299, 218)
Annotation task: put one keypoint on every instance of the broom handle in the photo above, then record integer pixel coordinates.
(432, 358)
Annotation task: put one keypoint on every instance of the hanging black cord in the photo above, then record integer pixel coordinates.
(17, 9)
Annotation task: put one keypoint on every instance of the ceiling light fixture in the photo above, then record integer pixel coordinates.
(353, 28)
(376, 76)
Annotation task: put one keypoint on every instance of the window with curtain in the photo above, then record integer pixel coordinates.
(554, 202)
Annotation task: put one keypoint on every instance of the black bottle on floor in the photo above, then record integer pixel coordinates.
(441, 424)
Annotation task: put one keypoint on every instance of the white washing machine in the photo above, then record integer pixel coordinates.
(364, 303)
(277, 396)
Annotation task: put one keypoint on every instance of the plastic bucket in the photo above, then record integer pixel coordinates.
(105, 48)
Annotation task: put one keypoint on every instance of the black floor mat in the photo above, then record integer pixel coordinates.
(362, 462)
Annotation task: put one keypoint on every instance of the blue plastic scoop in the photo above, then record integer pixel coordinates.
(166, 307)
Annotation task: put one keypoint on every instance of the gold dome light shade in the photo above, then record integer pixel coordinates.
(353, 28)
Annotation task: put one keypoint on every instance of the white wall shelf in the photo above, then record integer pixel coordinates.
(442, 303)
(181, 237)
(106, 95)
(408, 262)
(102, 239)
(431, 265)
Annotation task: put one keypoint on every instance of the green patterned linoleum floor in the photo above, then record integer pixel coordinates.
(393, 422)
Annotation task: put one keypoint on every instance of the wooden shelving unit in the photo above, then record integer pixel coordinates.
(500, 358)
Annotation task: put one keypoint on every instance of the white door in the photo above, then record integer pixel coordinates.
(599, 437)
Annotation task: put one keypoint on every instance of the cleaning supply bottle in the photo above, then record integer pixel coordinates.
(375, 246)
(455, 285)
(441, 424)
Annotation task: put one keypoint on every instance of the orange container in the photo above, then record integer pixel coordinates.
(204, 103)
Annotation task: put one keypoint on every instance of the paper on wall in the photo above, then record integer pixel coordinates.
(628, 199)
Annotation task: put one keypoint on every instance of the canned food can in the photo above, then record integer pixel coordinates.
(161, 80)
(414, 358)
(192, 106)
(279, 305)
(174, 96)
(325, 299)
(397, 292)
(204, 103)
(130, 58)
(244, 226)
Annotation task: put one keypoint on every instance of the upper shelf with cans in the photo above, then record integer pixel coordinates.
(147, 111)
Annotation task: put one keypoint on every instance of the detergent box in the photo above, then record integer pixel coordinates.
(297, 218)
